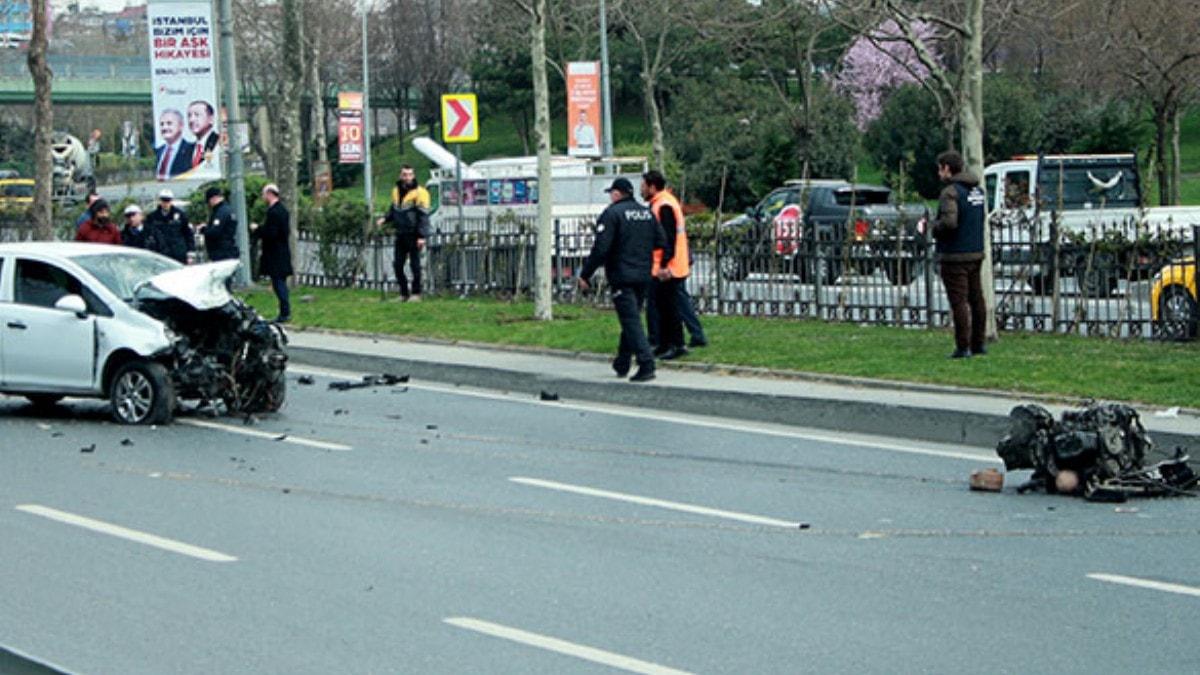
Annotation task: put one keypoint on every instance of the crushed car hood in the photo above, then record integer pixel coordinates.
(200, 286)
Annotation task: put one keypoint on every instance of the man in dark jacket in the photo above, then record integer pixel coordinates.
(626, 237)
(135, 234)
(169, 229)
(962, 215)
(409, 218)
(220, 233)
(276, 261)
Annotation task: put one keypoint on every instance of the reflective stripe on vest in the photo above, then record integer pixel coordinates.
(679, 262)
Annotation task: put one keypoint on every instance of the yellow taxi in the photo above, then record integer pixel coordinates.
(1173, 298)
(16, 192)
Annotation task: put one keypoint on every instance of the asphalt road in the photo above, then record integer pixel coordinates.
(432, 530)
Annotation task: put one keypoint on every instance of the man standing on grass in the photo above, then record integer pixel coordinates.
(627, 235)
(962, 215)
(276, 261)
(672, 269)
(409, 217)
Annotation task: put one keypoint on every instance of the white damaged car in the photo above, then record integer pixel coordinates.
(134, 327)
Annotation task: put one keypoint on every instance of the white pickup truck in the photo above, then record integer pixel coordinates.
(1084, 199)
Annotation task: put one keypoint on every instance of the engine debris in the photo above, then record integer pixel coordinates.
(1097, 452)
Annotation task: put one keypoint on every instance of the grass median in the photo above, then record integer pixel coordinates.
(1157, 373)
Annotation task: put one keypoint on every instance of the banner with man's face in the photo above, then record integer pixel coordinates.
(183, 79)
(584, 123)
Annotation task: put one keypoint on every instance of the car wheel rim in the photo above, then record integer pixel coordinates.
(1177, 308)
(134, 397)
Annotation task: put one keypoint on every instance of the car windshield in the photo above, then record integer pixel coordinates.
(122, 273)
(846, 197)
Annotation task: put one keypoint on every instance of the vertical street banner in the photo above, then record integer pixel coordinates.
(184, 83)
(584, 114)
(351, 146)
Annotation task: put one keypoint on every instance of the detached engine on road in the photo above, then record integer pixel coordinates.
(222, 349)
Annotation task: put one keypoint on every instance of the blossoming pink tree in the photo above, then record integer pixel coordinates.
(877, 64)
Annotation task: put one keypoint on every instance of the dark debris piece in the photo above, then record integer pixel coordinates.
(307, 380)
(548, 396)
(127, 443)
(383, 380)
(281, 437)
(431, 427)
(340, 411)
(89, 448)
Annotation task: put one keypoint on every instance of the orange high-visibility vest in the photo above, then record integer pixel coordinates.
(679, 263)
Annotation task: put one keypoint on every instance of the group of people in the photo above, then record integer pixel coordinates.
(167, 231)
(644, 252)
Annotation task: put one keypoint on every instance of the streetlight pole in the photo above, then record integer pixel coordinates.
(237, 170)
(604, 86)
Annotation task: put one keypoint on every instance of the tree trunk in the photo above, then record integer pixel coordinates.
(543, 308)
(287, 165)
(42, 212)
(970, 115)
(1162, 120)
(318, 91)
(656, 126)
(1176, 162)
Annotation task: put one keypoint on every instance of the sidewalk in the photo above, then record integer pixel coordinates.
(912, 411)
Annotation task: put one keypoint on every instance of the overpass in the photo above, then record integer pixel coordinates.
(103, 80)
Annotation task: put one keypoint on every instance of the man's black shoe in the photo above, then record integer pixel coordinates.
(673, 353)
(620, 368)
(982, 351)
(660, 350)
(644, 374)
(283, 319)
(698, 343)
(961, 354)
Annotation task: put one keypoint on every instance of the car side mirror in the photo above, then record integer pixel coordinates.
(73, 304)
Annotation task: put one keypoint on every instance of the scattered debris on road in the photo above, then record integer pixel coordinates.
(128, 443)
(281, 437)
(383, 380)
(548, 396)
(89, 448)
(1169, 412)
(1097, 452)
(431, 427)
(987, 480)
(307, 380)
(340, 411)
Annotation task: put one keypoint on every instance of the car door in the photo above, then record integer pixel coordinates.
(46, 349)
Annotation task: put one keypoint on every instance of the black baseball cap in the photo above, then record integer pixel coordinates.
(213, 191)
(621, 184)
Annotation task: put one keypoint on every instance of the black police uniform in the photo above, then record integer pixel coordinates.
(626, 236)
(220, 235)
(170, 232)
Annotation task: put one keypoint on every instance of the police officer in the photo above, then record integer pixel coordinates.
(168, 225)
(626, 237)
(135, 234)
(959, 234)
(220, 233)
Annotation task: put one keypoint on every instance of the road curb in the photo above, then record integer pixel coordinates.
(867, 417)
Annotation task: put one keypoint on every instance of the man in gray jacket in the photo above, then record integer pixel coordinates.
(962, 215)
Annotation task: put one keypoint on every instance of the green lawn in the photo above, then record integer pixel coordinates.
(1139, 370)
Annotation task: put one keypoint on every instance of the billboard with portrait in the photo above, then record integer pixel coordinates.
(184, 83)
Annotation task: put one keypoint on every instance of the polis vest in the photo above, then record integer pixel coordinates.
(678, 265)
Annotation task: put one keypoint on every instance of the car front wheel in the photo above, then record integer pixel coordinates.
(1178, 313)
(141, 393)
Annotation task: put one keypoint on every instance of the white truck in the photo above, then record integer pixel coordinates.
(1061, 205)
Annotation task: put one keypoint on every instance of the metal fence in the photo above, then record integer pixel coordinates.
(1119, 280)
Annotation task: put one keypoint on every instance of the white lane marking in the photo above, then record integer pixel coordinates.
(606, 658)
(126, 533)
(271, 436)
(708, 423)
(1146, 583)
(659, 503)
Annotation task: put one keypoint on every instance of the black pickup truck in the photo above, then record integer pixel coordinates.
(819, 228)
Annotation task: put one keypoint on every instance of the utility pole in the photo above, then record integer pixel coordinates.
(367, 178)
(237, 170)
(604, 86)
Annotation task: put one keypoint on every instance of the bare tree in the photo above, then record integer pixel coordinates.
(291, 86)
(1150, 44)
(42, 212)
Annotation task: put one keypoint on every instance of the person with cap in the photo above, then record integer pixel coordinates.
(170, 233)
(220, 232)
(99, 229)
(135, 233)
(276, 260)
(409, 218)
(627, 236)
